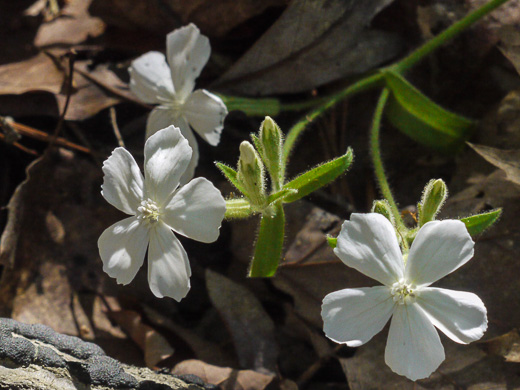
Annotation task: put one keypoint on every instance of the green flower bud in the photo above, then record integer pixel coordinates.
(434, 196)
(271, 141)
(383, 207)
(251, 175)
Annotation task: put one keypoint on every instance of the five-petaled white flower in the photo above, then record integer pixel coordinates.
(368, 243)
(171, 84)
(157, 207)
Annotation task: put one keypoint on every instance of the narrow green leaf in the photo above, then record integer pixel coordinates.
(282, 194)
(269, 245)
(231, 175)
(332, 241)
(423, 120)
(318, 177)
(476, 224)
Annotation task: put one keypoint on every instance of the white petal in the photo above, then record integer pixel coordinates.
(168, 266)
(150, 78)
(355, 315)
(188, 52)
(166, 157)
(459, 315)
(123, 182)
(413, 348)
(188, 134)
(368, 243)
(439, 248)
(206, 112)
(196, 211)
(122, 248)
(160, 118)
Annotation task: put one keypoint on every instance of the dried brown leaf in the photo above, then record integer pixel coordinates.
(465, 367)
(205, 350)
(251, 328)
(214, 18)
(507, 160)
(507, 346)
(73, 26)
(15, 209)
(311, 270)
(154, 346)
(93, 90)
(38, 73)
(55, 218)
(328, 41)
(227, 378)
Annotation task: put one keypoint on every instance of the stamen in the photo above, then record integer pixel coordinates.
(148, 212)
(403, 292)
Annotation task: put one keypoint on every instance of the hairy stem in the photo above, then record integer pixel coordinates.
(375, 153)
(445, 36)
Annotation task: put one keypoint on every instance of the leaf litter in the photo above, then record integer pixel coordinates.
(237, 333)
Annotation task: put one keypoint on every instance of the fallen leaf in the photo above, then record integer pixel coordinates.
(15, 209)
(250, 327)
(465, 367)
(154, 346)
(311, 270)
(74, 25)
(205, 350)
(93, 90)
(225, 377)
(38, 73)
(507, 346)
(49, 245)
(507, 160)
(214, 18)
(311, 44)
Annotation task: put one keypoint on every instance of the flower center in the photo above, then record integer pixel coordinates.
(403, 292)
(148, 212)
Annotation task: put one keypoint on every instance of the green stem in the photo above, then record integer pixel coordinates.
(297, 106)
(252, 106)
(375, 153)
(448, 34)
(293, 134)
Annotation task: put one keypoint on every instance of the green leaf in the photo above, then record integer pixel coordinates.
(421, 119)
(332, 241)
(269, 245)
(318, 177)
(231, 175)
(282, 194)
(476, 224)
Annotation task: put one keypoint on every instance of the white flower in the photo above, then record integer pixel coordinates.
(353, 316)
(171, 84)
(157, 207)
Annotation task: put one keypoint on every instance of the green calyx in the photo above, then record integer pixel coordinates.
(433, 198)
(251, 175)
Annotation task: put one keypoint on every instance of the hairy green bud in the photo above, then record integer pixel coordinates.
(271, 141)
(434, 196)
(251, 175)
(383, 207)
